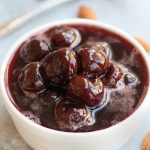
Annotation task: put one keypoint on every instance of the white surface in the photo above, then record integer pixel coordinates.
(130, 15)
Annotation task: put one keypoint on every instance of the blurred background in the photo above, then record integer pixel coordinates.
(132, 16)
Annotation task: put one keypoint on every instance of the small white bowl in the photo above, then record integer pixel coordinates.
(41, 138)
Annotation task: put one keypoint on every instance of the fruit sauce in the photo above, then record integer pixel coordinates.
(77, 78)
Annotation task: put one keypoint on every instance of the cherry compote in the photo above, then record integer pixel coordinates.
(77, 78)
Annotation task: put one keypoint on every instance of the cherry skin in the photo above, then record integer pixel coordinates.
(113, 75)
(65, 37)
(34, 50)
(60, 65)
(100, 46)
(72, 115)
(107, 49)
(88, 92)
(31, 80)
(93, 61)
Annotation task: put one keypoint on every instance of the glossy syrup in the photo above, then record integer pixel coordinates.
(122, 102)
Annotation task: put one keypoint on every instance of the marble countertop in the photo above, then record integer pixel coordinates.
(133, 16)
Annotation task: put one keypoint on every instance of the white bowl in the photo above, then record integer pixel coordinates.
(41, 138)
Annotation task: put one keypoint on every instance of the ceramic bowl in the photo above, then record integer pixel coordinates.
(41, 138)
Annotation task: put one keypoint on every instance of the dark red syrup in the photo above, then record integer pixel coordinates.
(71, 91)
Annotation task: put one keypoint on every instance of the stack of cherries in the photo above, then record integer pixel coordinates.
(80, 73)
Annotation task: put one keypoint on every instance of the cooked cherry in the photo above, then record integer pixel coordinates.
(107, 48)
(113, 75)
(31, 79)
(93, 61)
(47, 97)
(34, 50)
(72, 115)
(31, 116)
(101, 46)
(65, 37)
(60, 65)
(88, 92)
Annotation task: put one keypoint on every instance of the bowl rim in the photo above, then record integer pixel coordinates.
(100, 24)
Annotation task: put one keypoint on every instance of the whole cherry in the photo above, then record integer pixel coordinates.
(60, 66)
(65, 37)
(31, 79)
(93, 61)
(113, 75)
(34, 50)
(72, 115)
(100, 46)
(88, 92)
